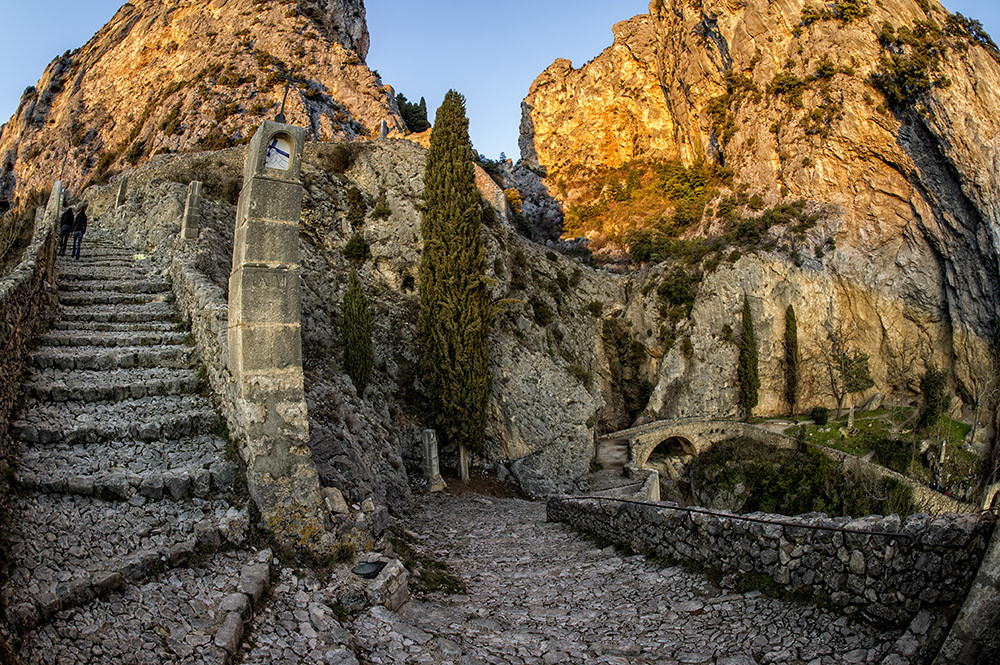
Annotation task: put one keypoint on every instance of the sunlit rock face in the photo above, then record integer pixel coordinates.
(188, 74)
(906, 249)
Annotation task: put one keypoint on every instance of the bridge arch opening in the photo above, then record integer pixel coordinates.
(674, 446)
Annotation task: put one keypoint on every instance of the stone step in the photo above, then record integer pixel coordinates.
(82, 299)
(105, 358)
(120, 326)
(111, 385)
(145, 338)
(157, 285)
(119, 470)
(184, 615)
(143, 419)
(124, 313)
(68, 550)
(74, 274)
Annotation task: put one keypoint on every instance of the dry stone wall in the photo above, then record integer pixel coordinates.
(889, 579)
(27, 302)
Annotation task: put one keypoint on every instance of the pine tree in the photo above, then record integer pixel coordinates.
(791, 359)
(356, 326)
(414, 115)
(747, 372)
(453, 328)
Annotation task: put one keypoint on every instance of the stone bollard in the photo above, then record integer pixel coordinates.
(432, 469)
(191, 221)
(122, 190)
(265, 340)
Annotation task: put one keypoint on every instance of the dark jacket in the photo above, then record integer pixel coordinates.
(80, 223)
(66, 222)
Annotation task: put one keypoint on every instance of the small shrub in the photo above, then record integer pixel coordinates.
(382, 210)
(357, 250)
(595, 308)
(542, 313)
(820, 415)
(356, 207)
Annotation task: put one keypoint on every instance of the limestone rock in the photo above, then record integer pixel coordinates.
(215, 76)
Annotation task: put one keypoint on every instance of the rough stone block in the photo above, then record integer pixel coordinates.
(335, 502)
(224, 475)
(230, 633)
(236, 602)
(254, 579)
(260, 349)
(260, 241)
(259, 294)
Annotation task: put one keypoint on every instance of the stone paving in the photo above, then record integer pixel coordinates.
(537, 593)
(117, 559)
(127, 495)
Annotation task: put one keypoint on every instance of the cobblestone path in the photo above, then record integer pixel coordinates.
(125, 487)
(537, 593)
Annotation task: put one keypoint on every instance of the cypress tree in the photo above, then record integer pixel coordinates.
(455, 318)
(791, 359)
(746, 373)
(357, 334)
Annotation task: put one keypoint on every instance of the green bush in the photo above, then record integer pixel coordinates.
(356, 330)
(541, 311)
(820, 415)
(792, 482)
(382, 210)
(890, 453)
(786, 84)
(848, 10)
(357, 207)
(357, 250)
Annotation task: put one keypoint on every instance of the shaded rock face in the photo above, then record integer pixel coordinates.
(911, 193)
(171, 76)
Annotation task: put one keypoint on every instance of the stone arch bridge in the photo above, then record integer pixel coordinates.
(690, 436)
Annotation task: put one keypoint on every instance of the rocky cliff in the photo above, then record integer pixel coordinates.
(175, 75)
(847, 150)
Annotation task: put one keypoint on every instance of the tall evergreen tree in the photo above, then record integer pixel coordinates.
(747, 371)
(356, 326)
(791, 359)
(932, 387)
(453, 328)
(414, 115)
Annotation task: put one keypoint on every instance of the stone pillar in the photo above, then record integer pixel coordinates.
(191, 221)
(54, 207)
(265, 343)
(383, 130)
(975, 636)
(432, 469)
(122, 190)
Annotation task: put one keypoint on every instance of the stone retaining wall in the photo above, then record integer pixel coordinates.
(886, 579)
(27, 303)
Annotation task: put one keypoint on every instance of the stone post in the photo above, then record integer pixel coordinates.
(122, 190)
(191, 221)
(975, 636)
(432, 469)
(383, 130)
(265, 342)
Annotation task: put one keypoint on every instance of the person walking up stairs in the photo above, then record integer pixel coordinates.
(129, 540)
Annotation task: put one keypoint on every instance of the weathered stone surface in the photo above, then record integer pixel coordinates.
(97, 95)
(907, 246)
(841, 574)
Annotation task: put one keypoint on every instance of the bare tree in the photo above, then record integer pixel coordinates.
(846, 368)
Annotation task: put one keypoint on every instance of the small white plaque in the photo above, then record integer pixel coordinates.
(278, 153)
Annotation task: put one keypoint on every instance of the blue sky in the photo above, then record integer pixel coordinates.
(490, 52)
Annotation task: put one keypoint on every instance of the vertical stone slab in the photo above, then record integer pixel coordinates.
(432, 468)
(265, 342)
(191, 221)
(54, 207)
(975, 636)
(122, 191)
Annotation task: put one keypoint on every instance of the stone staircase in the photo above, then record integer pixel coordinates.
(129, 537)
